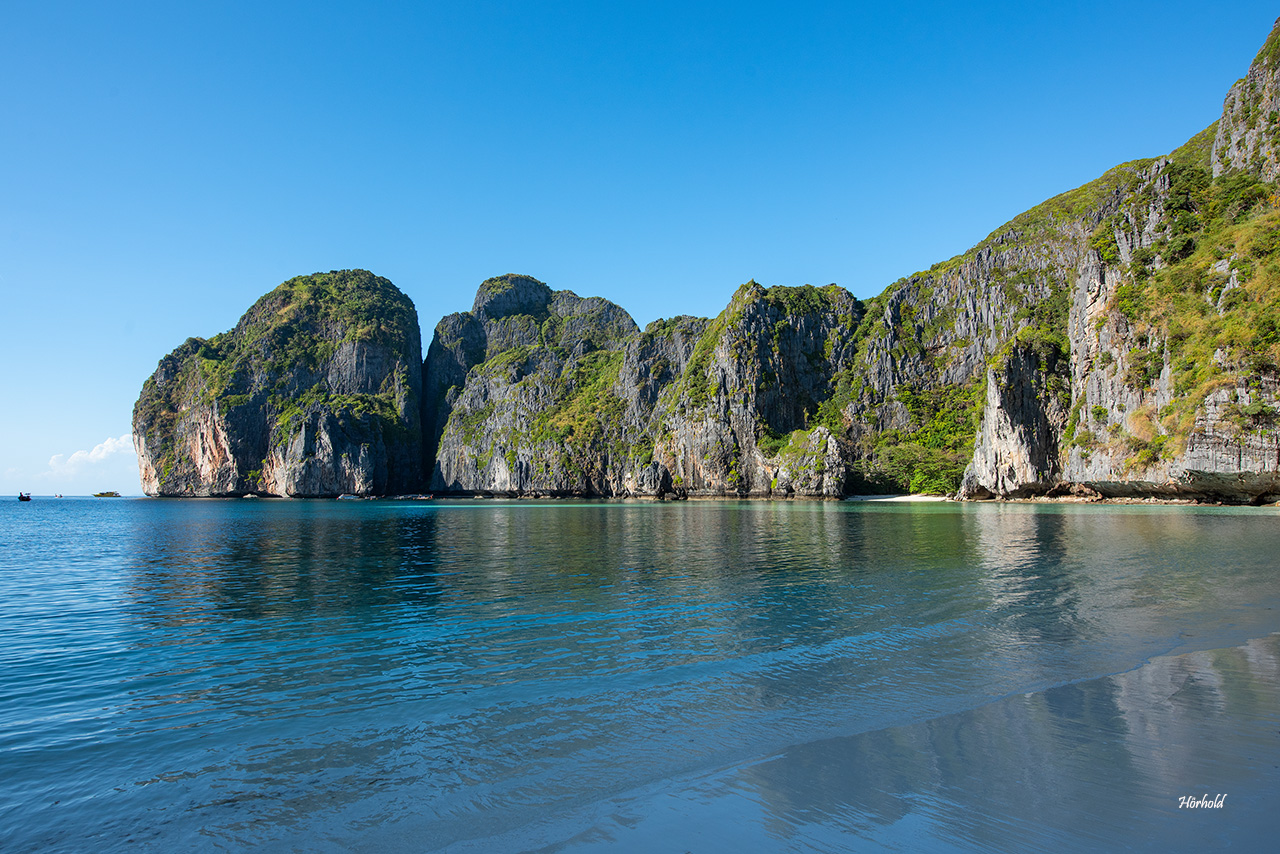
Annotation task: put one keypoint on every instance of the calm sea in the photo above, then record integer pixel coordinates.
(704, 676)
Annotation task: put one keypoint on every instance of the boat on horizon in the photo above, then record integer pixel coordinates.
(106, 495)
(24, 496)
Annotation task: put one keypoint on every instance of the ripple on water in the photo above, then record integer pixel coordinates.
(392, 675)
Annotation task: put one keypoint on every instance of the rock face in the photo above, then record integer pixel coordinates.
(1121, 339)
(314, 393)
(1249, 130)
(1016, 450)
(1171, 330)
(742, 419)
(541, 392)
(1116, 340)
(519, 393)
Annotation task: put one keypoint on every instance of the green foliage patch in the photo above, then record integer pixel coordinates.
(771, 443)
(931, 456)
(585, 406)
(1184, 308)
(1197, 150)
(1045, 329)
(805, 299)
(347, 408)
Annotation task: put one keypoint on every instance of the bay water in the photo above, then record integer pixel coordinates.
(633, 676)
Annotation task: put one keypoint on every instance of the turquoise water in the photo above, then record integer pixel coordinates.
(701, 676)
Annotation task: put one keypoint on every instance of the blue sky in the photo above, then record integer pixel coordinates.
(166, 164)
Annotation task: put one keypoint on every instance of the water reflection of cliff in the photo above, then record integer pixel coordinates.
(495, 662)
(1099, 763)
(195, 564)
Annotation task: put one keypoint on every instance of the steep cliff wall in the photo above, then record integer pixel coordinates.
(1248, 134)
(1173, 326)
(315, 392)
(520, 394)
(546, 392)
(742, 418)
(1120, 339)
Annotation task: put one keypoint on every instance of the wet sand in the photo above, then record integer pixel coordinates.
(1180, 754)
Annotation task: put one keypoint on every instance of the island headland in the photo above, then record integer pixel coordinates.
(1120, 340)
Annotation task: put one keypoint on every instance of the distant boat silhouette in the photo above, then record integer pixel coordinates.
(106, 495)
(24, 496)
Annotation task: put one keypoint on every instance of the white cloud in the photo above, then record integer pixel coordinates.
(60, 465)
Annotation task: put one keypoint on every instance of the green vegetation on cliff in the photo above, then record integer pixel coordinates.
(585, 408)
(1205, 299)
(929, 455)
(788, 308)
(694, 390)
(281, 349)
(341, 349)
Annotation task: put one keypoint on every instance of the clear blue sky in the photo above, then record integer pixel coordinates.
(163, 165)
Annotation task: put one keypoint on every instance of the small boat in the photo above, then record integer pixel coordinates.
(106, 495)
(24, 496)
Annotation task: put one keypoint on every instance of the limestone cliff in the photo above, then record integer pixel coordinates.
(742, 419)
(1120, 339)
(1172, 333)
(520, 394)
(315, 392)
(1248, 134)
(541, 392)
